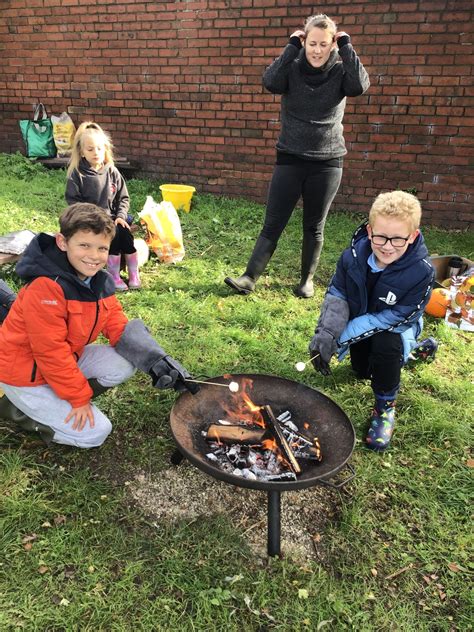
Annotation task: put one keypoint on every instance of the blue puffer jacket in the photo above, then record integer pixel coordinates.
(397, 300)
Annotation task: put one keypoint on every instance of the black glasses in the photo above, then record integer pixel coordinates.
(397, 242)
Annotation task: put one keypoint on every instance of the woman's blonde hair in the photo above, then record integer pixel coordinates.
(320, 21)
(77, 146)
(398, 205)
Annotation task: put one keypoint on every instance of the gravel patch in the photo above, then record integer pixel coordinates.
(186, 493)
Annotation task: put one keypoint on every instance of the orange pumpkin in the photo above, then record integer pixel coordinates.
(438, 303)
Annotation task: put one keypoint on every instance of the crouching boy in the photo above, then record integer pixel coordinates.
(374, 305)
(49, 370)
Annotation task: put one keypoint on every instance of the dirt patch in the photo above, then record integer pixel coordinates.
(185, 493)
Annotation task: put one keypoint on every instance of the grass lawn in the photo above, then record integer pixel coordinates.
(80, 553)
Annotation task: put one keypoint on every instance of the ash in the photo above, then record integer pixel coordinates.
(255, 462)
(184, 494)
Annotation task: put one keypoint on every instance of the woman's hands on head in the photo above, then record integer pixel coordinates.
(299, 33)
(340, 34)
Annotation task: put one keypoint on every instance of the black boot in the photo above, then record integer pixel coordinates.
(261, 255)
(309, 262)
(97, 387)
(10, 412)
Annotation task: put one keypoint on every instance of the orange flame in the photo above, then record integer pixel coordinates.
(269, 444)
(242, 407)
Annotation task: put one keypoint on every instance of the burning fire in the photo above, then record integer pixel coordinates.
(242, 408)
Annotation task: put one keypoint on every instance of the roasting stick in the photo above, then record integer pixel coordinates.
(300, 366)
(232, 386)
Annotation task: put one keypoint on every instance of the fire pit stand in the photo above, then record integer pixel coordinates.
(192, 414)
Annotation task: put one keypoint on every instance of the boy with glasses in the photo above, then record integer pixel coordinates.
(374, 305)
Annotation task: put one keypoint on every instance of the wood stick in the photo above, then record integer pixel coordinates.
(274, 427)
(235, 434)
(399, 572)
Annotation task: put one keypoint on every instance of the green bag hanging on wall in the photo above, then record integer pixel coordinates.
(38, 134)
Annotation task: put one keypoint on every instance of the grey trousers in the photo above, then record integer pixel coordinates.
(42, 404)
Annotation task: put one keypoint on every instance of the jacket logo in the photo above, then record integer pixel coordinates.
(390, 299)
(45, 301)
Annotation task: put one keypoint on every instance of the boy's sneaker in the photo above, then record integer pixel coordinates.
(381, 426)
(424, 350)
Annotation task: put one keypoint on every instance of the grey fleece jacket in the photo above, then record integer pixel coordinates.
(313, 100)
(105, 187)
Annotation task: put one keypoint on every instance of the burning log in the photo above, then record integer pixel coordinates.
(274, 427)
(235, 434)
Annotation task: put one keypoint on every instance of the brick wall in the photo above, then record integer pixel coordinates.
(178, 85)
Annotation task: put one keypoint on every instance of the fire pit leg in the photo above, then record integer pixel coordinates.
(274, 505)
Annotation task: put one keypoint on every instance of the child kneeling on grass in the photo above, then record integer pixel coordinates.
(49, 370)
(374, 305)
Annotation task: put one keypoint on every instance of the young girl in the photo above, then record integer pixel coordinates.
(315, 73)
(93, 178)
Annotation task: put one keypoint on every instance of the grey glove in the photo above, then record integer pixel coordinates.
(139, 347)
(169, 373)
(321, 348)
(7, 297)
(332, 321)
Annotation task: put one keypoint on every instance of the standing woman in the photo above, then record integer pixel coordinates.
(315, 73)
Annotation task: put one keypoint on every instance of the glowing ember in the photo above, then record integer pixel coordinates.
(300, 366)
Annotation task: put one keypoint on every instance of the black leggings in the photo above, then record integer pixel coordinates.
(380, 358)
(122, 242)
(316, 181)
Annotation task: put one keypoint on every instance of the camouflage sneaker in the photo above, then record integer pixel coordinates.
(381, 427)
(424, 350)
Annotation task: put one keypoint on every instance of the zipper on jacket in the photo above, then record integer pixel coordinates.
(33, 372)
(95, 322)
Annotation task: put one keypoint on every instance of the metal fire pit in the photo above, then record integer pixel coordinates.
(192, 414)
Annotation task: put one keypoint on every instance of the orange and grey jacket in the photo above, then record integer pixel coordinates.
(53, 318)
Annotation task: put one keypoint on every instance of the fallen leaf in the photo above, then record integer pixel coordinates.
(59, 520)
(64, 602)
(321, 624)
(470, 463)
(29, 538)
(28, 546)
(46, 525)
(303, 593)
(234, 578)
(42, 569)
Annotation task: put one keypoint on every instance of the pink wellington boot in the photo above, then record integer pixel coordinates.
(113, 267)
(134, 282)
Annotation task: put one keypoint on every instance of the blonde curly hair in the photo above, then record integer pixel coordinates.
(399, 205)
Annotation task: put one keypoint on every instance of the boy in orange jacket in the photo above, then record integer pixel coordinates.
(49, 370)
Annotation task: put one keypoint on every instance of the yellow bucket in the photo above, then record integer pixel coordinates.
(178, 194)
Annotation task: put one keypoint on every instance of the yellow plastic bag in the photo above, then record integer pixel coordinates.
(63, 133)
(164, 235)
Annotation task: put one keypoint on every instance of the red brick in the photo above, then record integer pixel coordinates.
(142, 68)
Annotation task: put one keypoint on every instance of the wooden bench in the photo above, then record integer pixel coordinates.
(8, 258)
(124, 165)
